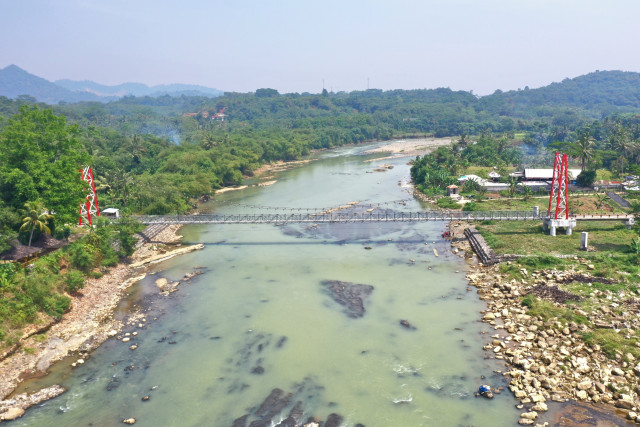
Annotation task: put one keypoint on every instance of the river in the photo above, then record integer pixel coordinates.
(261, 317)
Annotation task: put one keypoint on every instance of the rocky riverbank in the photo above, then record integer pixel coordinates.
(88, 323)
(555, 359)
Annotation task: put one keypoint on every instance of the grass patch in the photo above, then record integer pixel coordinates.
(40, 337)
(546, 310)
(542, 261)
(612, 342)
(583, 289)
(448, 203)
(508, 204)
(527, 238)
(578, 204)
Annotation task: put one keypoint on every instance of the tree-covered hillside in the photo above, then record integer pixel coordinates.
(595, 95)
(156, 155)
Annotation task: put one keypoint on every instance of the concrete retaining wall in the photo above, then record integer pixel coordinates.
(485, 254)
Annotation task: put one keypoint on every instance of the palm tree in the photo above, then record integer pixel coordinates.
(35, 217)
(463, 141)
(584, 147)
(513, 185)
(208, 141)
(621, 142)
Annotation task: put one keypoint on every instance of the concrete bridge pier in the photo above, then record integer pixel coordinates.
(551, 225)
(630, 222)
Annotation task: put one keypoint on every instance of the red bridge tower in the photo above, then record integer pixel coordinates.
(90, 206)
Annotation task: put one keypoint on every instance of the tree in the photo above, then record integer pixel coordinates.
(584, 148)
(621, 142)
(600, 198)
(527, 192)
(586, 178)
(41, 158)
(634, 248)
(36, 217)
(513, 185)
(635, 208)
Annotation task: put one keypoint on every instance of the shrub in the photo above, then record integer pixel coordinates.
(447, 203)
(528, 300)
(81, 256)
(74, 281)
(62, 233)
(586, 178)
(471, 206)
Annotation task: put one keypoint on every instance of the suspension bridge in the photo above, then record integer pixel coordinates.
(367, 217)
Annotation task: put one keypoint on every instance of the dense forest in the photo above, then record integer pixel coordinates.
(190, 146)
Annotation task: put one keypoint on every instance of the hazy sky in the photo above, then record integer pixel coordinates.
(292, 45)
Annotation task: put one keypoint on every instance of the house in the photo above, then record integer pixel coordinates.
(475, 178)
(547, 174)
(111, 213)
(452, 190)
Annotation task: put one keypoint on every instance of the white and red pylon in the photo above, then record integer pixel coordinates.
(559, 197)
(90, 206)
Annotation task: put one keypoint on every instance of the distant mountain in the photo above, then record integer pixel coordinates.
(14, 81)
(137, 89)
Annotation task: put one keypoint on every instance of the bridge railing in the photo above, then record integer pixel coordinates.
(341, 217)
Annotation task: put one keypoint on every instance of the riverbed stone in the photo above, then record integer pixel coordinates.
(624, 404)
(489, 316)
(585, 385)
(540, 407)
(13, 413)
(529, 415)
(537, 398)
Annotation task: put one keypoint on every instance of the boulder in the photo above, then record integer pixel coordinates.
(537, 398)
(624, 404)
(540, 407)
(585, 385)
(529, 415)
(13, 413)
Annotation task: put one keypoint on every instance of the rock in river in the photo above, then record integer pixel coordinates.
(350, 295)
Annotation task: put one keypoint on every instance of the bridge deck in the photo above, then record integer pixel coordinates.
(341, 217)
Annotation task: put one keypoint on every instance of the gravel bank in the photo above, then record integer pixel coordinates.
(89, 321)
(550, 361)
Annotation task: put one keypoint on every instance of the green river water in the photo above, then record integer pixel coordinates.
(259, 318)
